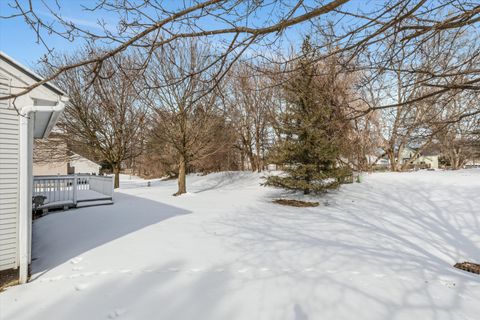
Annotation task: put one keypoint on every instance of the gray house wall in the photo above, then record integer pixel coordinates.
(9, 176)
(30, 115)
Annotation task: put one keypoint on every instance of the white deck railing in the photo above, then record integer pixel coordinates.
(64, 191)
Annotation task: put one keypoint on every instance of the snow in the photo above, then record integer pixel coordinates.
(380, 249)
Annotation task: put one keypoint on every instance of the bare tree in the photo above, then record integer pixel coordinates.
(103, 118)
(250, 101)
(402, 126)
(53, 149)
(414, 69)
(457, 140)
(407, 123)
(186, 110)
(258, 25)
(363, 141)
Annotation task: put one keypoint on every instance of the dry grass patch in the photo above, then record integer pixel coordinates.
(8, 278)
(468, 266)
(295, 203)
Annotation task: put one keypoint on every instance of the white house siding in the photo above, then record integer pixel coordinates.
(432, 161)
(41, 108)
(50, 169)
(9, 171)
(79, 165)
(83, 165)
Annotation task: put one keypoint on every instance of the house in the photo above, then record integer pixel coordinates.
(55, 158)
(428, 159)
(29, 116)
(377, 159)
(74, 164)
(472, 163)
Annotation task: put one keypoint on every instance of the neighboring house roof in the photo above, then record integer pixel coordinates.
(430, 154)
(432, 150)
(77, 157)
(407, 149)
(427, 152)
(43, 101)
(17, 65)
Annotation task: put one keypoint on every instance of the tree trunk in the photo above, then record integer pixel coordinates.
(307, 189)
(116, 172)
(393, 163)
(182, 179)
(455, 161)
(253, 163)
(257, 149)
(242, 160)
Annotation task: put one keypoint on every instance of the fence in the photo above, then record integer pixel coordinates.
(68, 191)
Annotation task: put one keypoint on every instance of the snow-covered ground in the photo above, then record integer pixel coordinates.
(380, 249)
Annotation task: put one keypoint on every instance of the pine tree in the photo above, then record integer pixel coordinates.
(312, 128)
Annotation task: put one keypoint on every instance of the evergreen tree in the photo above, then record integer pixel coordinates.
(312, 127)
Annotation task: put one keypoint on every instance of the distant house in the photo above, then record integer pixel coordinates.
(382, 162)
(30, 116)
(472, 163)
(70, 163)
(377, 159)
(79, 164)
(428, 159)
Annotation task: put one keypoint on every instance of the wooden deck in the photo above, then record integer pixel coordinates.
(72, 191)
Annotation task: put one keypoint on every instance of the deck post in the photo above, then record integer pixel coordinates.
(74, 190)
(112, 187)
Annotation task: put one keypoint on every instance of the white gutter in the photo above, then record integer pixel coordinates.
(25, 179)
(57, 111)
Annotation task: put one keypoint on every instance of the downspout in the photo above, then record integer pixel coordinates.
(25, 183)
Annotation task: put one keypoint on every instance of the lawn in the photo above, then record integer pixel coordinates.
(380, 249)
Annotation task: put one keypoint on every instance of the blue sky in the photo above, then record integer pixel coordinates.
(19, 41)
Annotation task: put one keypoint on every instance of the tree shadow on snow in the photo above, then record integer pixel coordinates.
(390, 248)
(62, 236)
(223, 180)
(377, 252)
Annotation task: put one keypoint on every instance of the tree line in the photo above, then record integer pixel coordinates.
(316, 119)
(204, 85)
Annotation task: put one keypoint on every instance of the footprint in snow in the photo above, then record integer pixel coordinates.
(76, 260)
(81, 286)
(447, 283)
(116, 313)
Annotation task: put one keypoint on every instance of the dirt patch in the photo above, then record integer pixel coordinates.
(468, 266)
(295, 203)
(8, 278)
